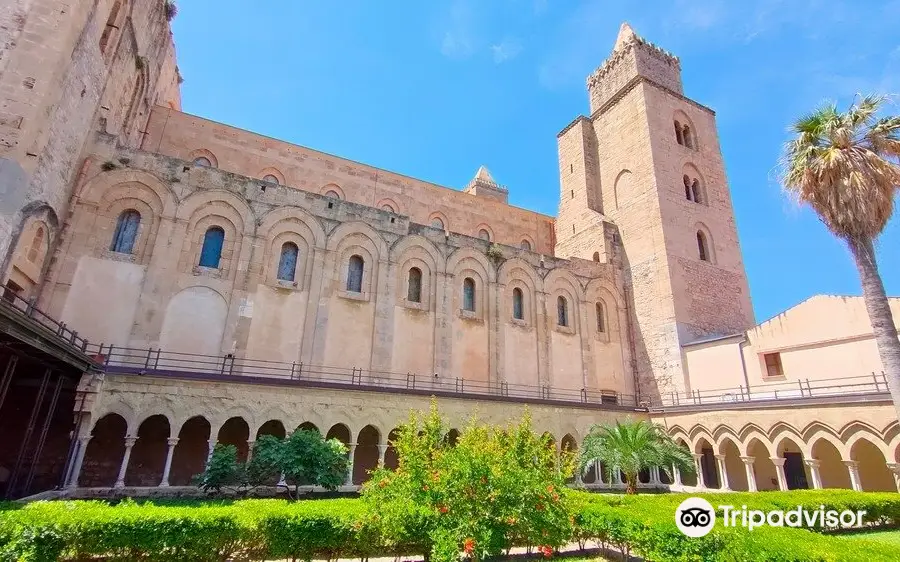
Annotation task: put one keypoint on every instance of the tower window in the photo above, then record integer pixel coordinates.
(126, 232)
(562, 311)
(270, 178)
(332, 194)
(695, 190)
(437, 223)
(111, 27)
(355, 274)
(469, 294)
(687, 188)
(203, 161)
(414, 289)
(601, 320)
(518, 313)
(678, 135)
(597, 256)
(287, 264)
(571, 168)
(211, 252)
(702, 246)
(525, 245)
(573, 194)
(484, 235)
(688, 140)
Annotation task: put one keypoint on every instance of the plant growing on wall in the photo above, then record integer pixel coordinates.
(631, 447)
(171, 10)
(495, 488)
(494, 252)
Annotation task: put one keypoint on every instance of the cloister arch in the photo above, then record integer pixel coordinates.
(366, 454)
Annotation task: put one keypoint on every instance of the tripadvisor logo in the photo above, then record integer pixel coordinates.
(695, 517)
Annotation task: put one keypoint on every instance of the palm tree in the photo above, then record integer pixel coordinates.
(632, 447)
(846, 166)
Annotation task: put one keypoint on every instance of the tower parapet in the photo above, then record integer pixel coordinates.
(632, 58)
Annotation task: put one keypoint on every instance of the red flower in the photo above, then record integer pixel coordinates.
(550, 488)
(555, 496)
(511, 520)
(539, 507)
(435, 476)
(443, 509)
(546, 551)
(425, 487)
(382, 483)
(469, 545)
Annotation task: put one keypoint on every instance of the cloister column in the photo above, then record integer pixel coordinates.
(723, 472)
(352, 448)
(654, 475)
(779, 472)
(171, 441)
(895, 469)
(382, 450)
(853, 469)
(814, 465)
(599, 480)
(699, 468)
(79, 460)
(676, 476)
(751, 476)
(123, 468)
(212, 447)
(250, 443)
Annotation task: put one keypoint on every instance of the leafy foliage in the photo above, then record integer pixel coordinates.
(496, 488)
(222, 471)
(631, 447)
(332, 529)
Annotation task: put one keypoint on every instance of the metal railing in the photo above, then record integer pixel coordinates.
(875, 383)
(58, 329)
(158, 362)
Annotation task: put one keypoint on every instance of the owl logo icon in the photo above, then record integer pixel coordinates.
(695, 517)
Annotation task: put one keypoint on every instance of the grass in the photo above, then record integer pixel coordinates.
(887, 537)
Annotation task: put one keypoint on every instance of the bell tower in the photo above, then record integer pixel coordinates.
(648, 160)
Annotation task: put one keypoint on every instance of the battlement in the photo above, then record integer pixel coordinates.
(633, 56)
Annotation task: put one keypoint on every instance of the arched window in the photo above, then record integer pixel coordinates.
(695, 190)
(414, 290)
(702, 246)
(518, 312)
(525, 245)
(562, 311)
(601, 320)
(111, 27)
(355, 274)
(484, 235)
(36, 243)
(211, 252)
(596, 256)
(333, 194)
(287, 264)
(270, 178)
(688, 141)
(203, 161)
(678, 138)
(687, 188)
(126, 232)
(387, 208)
(437, 223)
(469, 294)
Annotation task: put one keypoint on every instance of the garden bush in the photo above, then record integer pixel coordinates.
(278, 529)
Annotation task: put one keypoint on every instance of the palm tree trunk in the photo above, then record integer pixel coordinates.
(879, 309)
(631, 483)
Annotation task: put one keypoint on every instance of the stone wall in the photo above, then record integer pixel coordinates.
(164, 299)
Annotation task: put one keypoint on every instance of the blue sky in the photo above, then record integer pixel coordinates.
(435, 89)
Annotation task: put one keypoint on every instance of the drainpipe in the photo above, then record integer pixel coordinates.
(741, 345)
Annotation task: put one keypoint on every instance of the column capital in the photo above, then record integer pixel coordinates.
(894, 467)
(719, 457)
(383, 447)
(813, 463)
(130, 441)
(85, 439)
(172, 441)
(697, 456)
(212, 442)
(777, 461)
(748, 460)
(851, 464)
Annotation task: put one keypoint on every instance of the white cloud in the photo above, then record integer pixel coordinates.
(460, 36)
(508, 49)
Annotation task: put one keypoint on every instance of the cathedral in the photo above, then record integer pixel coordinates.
(172, 283)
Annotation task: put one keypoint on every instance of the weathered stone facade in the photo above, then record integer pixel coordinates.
(241, 285)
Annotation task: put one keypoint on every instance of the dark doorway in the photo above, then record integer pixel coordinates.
(794, 472)
(708, 465)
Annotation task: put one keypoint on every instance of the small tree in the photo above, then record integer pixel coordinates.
(222, 471)
(496, 488)
(631, 447)
(305, 458)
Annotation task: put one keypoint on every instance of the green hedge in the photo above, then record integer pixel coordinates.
(277, 529)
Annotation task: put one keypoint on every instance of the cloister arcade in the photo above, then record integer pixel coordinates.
(858, 457)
